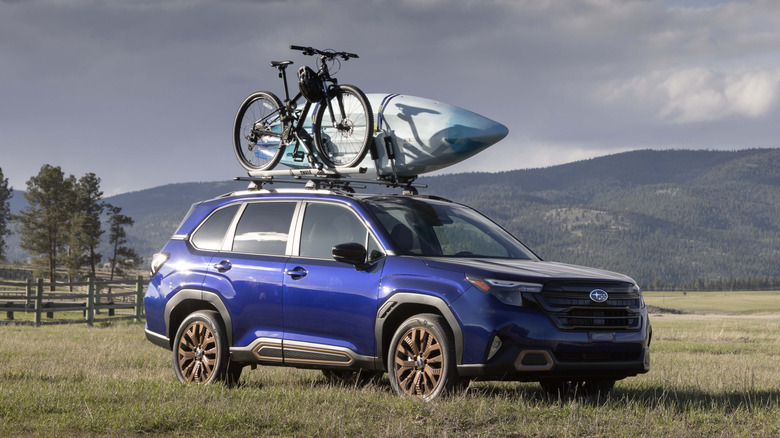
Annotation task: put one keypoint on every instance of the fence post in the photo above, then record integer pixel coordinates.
(38, 302)
(29, 294)
(139, 298)
(91, 302)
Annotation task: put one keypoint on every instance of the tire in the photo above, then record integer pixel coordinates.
(575, 388)
(200, 351)
(257, 132)
(344, 142)
(421, 359)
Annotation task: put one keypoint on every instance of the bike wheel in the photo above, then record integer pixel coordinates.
(257, 131)
(342, 139)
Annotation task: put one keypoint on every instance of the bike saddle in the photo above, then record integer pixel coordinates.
(282, 64)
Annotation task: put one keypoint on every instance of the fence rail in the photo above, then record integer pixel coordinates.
(118, 299)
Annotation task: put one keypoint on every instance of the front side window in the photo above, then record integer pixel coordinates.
(211, 233)
(264, 228)
(326, 225)
(442, 229)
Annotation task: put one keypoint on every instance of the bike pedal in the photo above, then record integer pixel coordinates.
(298, 156)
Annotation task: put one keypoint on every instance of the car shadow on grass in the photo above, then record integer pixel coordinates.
(680, 400)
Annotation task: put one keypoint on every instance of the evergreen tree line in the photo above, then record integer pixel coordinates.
(62, 225)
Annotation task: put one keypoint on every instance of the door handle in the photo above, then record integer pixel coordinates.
(223, 266)
(297, 273)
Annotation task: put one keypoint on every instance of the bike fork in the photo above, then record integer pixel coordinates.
(342, 114)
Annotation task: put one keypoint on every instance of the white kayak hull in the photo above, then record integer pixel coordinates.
(426, 135)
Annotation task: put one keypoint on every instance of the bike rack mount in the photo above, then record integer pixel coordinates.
(330, 178)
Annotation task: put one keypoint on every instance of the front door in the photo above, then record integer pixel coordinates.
(326, 302)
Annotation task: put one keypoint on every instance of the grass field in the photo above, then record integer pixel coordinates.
(712, 375)
(735, 303)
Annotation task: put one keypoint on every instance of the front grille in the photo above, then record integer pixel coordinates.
(569, 306)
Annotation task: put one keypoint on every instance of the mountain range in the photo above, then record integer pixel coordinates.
(671, 217)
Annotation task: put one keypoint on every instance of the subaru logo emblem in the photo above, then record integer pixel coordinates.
(598, 296)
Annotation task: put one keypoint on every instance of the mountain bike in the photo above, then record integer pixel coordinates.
(342, 124)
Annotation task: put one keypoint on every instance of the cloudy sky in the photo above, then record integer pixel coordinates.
(144, 92)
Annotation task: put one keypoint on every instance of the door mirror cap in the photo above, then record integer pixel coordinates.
(352, 253)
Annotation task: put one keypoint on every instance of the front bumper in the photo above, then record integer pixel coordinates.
(534, 348)
(532, 364)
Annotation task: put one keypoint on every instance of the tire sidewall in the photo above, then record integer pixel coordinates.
(437, 326)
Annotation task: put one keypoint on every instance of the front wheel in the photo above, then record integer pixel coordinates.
(200, 351)
(257, 131)
(421, 360)
(344, 128)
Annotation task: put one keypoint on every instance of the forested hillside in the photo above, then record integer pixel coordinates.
(696, 218)
(663, 217)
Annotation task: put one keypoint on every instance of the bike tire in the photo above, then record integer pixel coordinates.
(257, 132)
(343, 142)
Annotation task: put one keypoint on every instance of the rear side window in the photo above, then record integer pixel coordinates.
(211, 233)
(264, 228)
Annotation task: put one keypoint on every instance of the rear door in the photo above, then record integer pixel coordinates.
(249, 271)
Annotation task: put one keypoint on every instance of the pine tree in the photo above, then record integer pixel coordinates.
(123, 257)
(5, 212)
(86, 225)
(44, 223)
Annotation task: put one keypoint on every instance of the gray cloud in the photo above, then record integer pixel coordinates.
(144, 92)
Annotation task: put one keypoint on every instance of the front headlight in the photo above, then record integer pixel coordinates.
(508, 292)
(641, 298)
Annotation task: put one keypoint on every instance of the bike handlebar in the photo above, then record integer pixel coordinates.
(310, 51)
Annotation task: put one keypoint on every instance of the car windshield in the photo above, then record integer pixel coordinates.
(444, 229)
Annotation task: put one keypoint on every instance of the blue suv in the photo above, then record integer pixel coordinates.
(430, 291)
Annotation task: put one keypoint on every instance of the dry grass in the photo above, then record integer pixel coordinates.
(712, 375)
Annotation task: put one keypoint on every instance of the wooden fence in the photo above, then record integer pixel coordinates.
(77, 302)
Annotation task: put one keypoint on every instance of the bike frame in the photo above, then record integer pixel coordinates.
(297, 117)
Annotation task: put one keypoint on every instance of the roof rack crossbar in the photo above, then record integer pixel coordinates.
(318, 181)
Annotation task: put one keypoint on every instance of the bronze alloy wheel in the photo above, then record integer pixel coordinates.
(200, 351)
(197, 353)
(418, 362)
(421, 358)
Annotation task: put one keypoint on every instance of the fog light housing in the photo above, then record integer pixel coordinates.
(494, 347)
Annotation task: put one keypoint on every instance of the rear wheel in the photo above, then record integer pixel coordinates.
(421, 361)
(257, 132)
(344, 127)
(200, 352)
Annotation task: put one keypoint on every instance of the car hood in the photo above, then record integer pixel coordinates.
(527, 270)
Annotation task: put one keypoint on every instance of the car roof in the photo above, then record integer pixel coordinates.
(200, 210)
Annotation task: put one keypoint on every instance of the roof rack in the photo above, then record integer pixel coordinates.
(328, 179)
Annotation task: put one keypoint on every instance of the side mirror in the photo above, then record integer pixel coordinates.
(352, 253)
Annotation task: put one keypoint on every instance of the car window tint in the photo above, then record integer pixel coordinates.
(327, 225)
(264, 228)
(375, 251)
(211, 233)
